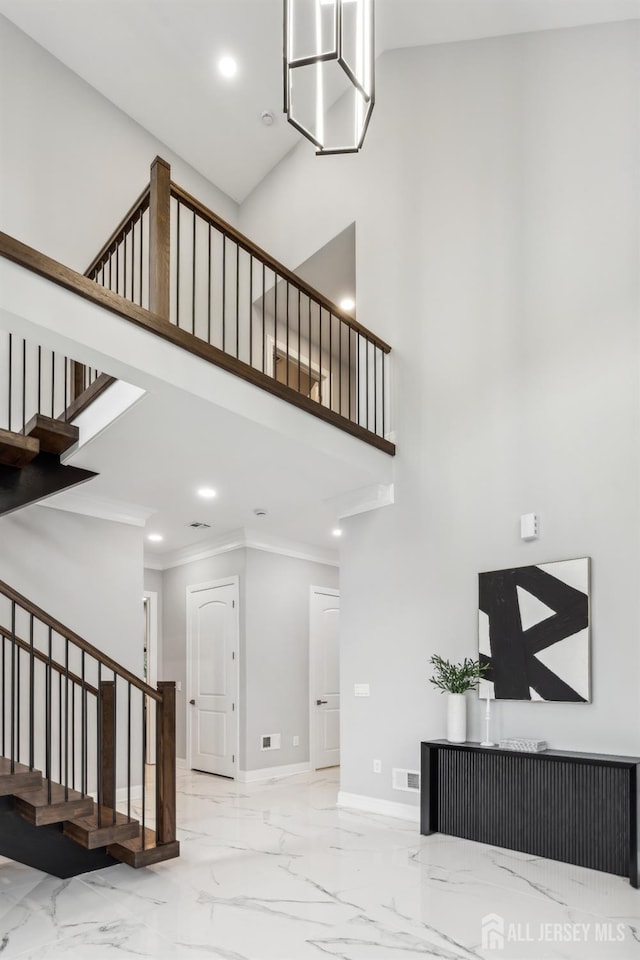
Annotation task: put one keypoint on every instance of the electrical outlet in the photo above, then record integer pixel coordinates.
(377, 766)
(296, 741)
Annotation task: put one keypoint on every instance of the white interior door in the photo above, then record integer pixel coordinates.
(324, 659)
(212, 627)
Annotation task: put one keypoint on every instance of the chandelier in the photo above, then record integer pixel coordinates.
(329, 88)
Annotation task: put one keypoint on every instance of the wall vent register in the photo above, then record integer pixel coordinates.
(270, 741)
(408, 780)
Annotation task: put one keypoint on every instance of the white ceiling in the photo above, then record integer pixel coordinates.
(155, 59)
(152, 460)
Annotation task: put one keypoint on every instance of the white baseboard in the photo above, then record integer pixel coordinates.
(271, 773)
(388, 808)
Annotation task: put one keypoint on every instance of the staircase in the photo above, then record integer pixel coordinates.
(74, 751)
(41, 394)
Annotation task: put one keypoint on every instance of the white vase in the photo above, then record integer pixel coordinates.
(456, 717)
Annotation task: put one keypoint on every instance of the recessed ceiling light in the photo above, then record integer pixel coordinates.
(155, 537)
(337, 532)
(228, 67)
(347, 303)
(207, 493)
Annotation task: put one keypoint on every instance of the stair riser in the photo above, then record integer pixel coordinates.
(56, 813)
(145, 858)
(100, 836)
(19, 783)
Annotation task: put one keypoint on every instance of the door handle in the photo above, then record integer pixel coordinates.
(192, 702)
(320, 702)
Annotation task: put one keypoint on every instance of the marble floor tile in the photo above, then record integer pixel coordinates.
(275, 871)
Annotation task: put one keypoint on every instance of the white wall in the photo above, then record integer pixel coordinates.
(71, 163)
(276, 689)
(497, 206)
(85, 572)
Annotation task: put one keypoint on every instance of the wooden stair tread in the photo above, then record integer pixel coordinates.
(54, 436)
(134, 854)
(16, 450)
(21, 779)
(86, 831)
(35, 807)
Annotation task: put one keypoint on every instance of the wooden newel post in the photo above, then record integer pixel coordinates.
(107, 772)
(166, 763)
(159, 237)
(77, 379)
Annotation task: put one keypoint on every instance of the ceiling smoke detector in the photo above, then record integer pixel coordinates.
(260, 512)
(267, 118)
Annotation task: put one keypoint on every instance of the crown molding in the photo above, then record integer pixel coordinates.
(242, 540)
(102, 508)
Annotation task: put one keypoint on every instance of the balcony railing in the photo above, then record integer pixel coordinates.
(175, 268)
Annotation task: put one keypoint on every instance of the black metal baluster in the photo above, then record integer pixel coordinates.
(358, 378)
(251, 309)
(331, 371)
(275, 327)
(178, 264)
(124, 264)
(73, 735)
(383, 376)
(114, 757)
(133, 261)
(264, 324)
(375, 388)
(66, 718)
(48, 714)
(209, 288)
(31, 694)
(320, 353)
(141, 255)
(10, 384)
(24, 385)
(99, 743)
(310, 380)
(366, 373)
(288, 356)
(129, 751)
(83, 728)
(193, 279)
(340, 335)
(60, 726)
(18, 707)
(299, 324)
(117, 290)
(39, 410)
(238, 300)
(13, 686)
(224, 291)
(53, 381)
(144, 762)
(66, 387)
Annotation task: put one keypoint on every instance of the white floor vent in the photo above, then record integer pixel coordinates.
(406, 780)
(270, 741)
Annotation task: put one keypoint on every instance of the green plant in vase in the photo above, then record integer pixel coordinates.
(455, 679)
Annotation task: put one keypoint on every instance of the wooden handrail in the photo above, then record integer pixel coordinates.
(78, 641)
(131, 216)
(43, 658)
(82, 401)
(56, 272)
(250, 247)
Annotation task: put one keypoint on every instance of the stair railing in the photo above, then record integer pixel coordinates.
(192, 269)
(36, 380)
(82, 719)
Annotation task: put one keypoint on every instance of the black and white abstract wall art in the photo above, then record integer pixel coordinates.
(533, 629)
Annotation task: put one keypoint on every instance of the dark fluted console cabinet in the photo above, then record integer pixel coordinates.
(580, 808)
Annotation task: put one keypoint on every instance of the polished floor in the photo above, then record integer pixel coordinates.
(274, 871)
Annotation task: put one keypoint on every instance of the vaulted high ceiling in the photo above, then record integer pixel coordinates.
(156, 60)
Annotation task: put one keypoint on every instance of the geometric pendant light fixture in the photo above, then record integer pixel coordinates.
(329, 61)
